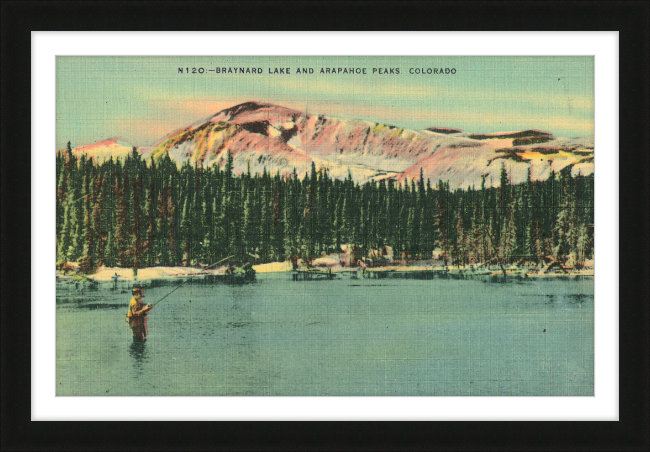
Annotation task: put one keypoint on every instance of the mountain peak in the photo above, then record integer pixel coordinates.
(115, 142)
(254, 111)
(116, 147)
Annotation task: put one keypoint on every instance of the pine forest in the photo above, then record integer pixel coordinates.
(137, 213)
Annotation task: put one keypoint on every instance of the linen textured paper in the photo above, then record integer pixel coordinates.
(325, 226)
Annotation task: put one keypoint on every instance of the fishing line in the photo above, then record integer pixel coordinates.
(80, 198)
(189, 279)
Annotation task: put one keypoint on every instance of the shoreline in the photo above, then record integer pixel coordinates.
(119, 275)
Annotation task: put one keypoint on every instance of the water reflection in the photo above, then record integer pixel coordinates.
(138, 351)
(104, 306)
(82, 303)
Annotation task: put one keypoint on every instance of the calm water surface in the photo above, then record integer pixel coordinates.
(338, 337)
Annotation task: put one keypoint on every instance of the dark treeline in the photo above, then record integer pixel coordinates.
(134, 214)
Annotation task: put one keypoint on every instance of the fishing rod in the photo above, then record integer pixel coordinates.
(80, 198)
(179, 286)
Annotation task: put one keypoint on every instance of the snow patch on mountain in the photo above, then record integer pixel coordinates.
(263, 136)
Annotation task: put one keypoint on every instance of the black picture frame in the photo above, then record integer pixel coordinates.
(629, 18)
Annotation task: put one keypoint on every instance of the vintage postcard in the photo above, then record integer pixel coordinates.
(324, 226)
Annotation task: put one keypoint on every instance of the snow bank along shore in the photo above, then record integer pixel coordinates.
(112, 274)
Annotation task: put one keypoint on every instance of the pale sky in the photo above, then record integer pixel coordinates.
(142, 99)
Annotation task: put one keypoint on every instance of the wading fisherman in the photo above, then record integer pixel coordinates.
(136, 316)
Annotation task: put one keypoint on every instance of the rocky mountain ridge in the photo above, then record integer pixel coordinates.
(266, 136)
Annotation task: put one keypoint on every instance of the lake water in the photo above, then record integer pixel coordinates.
(333, 337)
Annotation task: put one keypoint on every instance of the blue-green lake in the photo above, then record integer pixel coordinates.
(341, 337)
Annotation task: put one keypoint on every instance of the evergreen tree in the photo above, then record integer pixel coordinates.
(99, 230)
(325, 222)
(236, 219)
(563, 231)
(162, 226)
(442, 238)
(392, 212)
(339, 222)
(582, 247)
(214, 227)
(150, 222)
(460, 244)
(413, 231)
(265, 229)
(476, 247)
(121, 228)
(291, 216)
(309, 224)
(251, 228)
(87, 262)
(137, 247)
(172, 210)
(111, 252)
(187, 222)
(61, 196)
(508, 232)
(199, 224)
(427, 224)
(224, 220)
(67, 229)
(278, 220)
(526, 223)
(400, 219)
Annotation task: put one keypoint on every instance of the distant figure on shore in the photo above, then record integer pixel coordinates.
(136, 316)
